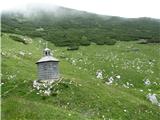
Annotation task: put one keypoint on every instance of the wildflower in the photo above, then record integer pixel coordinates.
(150, 63)
(138, 67)
(29, 53)
(155, 83)
(127, 83)
(125, 86)
(118, 76)
(147, 82)
(67, 59)
(1, 84)
(73, 62)
(103, 116)
(141, 90)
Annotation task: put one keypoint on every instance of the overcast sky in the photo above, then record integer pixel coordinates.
(123, 8)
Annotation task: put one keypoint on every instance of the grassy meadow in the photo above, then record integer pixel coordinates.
(83, 96)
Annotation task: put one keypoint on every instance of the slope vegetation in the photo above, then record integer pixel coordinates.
(69, 27)
(83, 96)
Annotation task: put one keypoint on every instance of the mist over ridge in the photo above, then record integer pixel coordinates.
(70, 27)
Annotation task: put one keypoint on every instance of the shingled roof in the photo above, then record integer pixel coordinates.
(47, 57)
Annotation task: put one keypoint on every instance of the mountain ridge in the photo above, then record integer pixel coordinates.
(69, 27)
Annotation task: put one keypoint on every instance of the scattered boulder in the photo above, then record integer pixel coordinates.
(99, 74)
(22, 53)
(153, 99)
(110, 81)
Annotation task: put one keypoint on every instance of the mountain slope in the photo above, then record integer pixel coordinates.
(69, 27)
(82, 95)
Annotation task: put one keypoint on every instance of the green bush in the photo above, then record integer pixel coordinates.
(74, 47)
(110, 42)
(100, 42)
(153, 40)
(84, 41)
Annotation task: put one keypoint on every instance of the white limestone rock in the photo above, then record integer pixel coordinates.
(99, 74)
(153, 99)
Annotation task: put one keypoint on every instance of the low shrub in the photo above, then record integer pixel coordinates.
(153, 40)
(100, 42)
(142, 41)
(74, 47)
(18, 39)
(110, 42)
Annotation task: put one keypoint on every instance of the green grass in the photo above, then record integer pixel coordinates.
(88, 97)
(45, 111)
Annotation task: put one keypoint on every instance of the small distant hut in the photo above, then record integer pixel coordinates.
(48, 67)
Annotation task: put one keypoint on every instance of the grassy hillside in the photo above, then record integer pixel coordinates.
(69, 27)
(81, 95)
